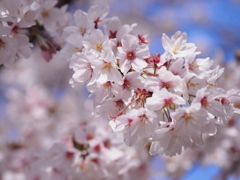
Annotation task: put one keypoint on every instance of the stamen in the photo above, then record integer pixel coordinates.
(131, 55)
(82, 30)
(107, 66)
(187, 117)
(98, 47)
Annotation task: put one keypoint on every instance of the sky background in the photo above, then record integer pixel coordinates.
(213, 25)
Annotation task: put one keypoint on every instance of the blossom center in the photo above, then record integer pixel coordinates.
(204, 101)
(107, 85)
(98, 46)
(143, 118)
(166, 85)
(119, 105)
(82, 30)
(131, 55)
(107, 66)
(187, 117)
(168, 102)
(126, 84)
(176, 49)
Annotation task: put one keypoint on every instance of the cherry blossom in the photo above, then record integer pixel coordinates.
(130, 54)
(177, 46)
(106, 67)
(82, 65)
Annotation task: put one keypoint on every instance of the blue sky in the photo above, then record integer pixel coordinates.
(219, 29)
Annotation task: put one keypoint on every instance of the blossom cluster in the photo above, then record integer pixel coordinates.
(223, 149)
(169, 100)
(25, 20)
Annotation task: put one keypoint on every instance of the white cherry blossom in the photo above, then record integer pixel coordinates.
(177, 46)
(97, 42)
(83, 25)
(81, 63)
(135, 124)
(163, 99)
(106, 68)
(131, 55)
(165, 79)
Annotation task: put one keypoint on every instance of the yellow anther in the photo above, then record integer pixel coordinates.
(82, 30)
(107, 85)
(211, 84)
(131, 55)
(176, 49)
(187, 117)
(107, 66)
(193, 84)
(166, 85)
(98, 47)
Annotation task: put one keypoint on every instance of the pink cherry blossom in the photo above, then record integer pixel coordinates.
(131, 55)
